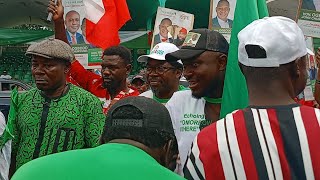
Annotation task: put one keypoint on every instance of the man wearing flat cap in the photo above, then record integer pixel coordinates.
(55, 116)
(137, 142)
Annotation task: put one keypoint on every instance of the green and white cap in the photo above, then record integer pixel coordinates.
(159, 52)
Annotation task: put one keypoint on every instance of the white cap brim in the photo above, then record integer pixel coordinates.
(310, 52)
(144, 58)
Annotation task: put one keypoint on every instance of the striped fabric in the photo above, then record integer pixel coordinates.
(275, 143)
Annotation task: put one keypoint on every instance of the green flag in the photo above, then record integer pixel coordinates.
(8, 133)
(235, 93)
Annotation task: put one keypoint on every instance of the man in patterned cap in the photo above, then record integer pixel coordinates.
(55, 116)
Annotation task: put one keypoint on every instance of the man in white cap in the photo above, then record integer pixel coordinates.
(162, 76)
(273, 138)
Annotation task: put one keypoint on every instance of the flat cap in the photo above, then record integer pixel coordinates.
(51, 48)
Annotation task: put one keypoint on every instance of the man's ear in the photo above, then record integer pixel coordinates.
(128, 67)
(296, 69)
(179, 73)
(67, 68)
(222, 62)
(167, 147)
(170, 157)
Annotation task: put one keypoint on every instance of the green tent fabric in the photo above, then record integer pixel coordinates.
(316, 44)
(138, 43)
(235, 93)
(19, 36)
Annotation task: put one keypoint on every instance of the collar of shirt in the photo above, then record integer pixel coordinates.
(223, 24)
(75, 35)
(163, 38)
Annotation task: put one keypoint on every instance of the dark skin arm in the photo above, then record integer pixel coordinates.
(317, 86)
(57, 11)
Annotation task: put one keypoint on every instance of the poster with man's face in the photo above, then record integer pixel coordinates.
(75, 23)
(171, 26)
(221, 16)
(309, 18)
(311, 71)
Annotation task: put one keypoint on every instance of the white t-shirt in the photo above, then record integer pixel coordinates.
(5, 152)
(186, 114)
(148, 94)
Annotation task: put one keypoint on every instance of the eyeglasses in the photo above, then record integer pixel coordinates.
(159, 69)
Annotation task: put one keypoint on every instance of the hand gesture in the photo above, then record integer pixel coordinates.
(56, 9)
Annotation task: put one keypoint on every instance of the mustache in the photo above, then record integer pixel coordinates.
(153, 79)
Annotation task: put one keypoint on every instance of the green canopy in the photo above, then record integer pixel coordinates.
(138, 43)
(19, 36)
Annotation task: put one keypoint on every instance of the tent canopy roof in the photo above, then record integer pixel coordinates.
(18, 12)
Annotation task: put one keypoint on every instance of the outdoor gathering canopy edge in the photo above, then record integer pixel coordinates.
(17, 12)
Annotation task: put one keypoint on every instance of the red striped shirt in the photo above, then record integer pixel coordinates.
(259, 143)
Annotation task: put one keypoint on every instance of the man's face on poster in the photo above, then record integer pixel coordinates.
(194, 37)
(72, 22)
(223, 10)
(163, 28)
(182, 35)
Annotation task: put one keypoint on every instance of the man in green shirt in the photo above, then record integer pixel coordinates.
(162, 76)
(138, 143)
(55, 116)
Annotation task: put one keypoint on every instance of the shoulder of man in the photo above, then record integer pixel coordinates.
(148, 94)
(79, 35)
(157, 37)
(182, 94)
(178, 98)
(26, 94)
(206, 143)
(83, 94)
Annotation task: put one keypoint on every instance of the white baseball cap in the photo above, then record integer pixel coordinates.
(280, 38)
(159, 52)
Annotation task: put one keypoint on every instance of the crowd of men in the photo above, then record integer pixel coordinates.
(100, 127)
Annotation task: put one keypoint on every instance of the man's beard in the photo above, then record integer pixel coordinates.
(210, 90)
(111, 86)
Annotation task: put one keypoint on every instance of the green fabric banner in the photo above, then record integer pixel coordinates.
(20, 36)
(235, 93)
(138, 43)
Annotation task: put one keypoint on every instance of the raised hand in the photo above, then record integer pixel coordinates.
(57, 10)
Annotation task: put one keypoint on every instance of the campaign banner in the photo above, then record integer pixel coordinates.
(75, 23)
(309, 18)
(312, 69)
(221, 16)
(171, 26)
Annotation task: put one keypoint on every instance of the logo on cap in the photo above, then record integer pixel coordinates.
(156, 50)
(191, 39)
